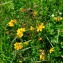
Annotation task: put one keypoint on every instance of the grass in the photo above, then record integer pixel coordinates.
(36, 45)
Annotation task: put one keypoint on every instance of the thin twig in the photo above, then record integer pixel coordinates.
(25, 49)
(49, 41)
(13, 40)
(15, 53)
(40, 61)
(58, 36)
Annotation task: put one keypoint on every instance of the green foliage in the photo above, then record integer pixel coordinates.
(52, 34)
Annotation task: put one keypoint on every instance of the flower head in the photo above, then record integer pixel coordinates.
(20, 32)
(23, 9)
(58, 18)
(40, 27)
(26, 43)
(18, 46)
(42, 57)
(51, 50)
(12, 23)
(42, 54)
(22, 29)
(40, 38)
(31, 28)
(35, 13)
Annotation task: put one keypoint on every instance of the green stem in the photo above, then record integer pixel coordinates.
(5, 3)
(49, 41)
(58, 36)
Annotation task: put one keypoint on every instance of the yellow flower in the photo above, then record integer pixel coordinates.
(51, 50)
(42, 54)
(41, 51)
(18, 46)
(26, 43)
(40, 38)
(58, 18)
(40, 27)
(12, 22)
(22, 29)
(31, 28)
(35, 13)
(42, 57)
(20, 32)
(23, 9)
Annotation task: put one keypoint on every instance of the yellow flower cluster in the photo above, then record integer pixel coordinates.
(18, 46)
(12, 23)
(58, 18)
(51, 50)
(20, 32)
(42, 55)
(40, 27)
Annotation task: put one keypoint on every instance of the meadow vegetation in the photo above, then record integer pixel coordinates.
(31, 31)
